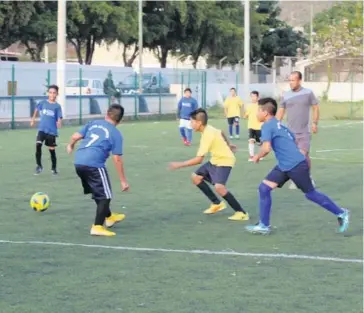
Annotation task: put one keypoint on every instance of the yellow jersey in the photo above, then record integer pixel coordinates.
(214, 143)
(233, 106)
(251, 114)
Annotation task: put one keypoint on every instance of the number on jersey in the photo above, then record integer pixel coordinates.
(94, 138)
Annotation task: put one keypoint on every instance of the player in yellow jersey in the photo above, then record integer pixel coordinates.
(217, 170)
(254, 126)
(232, 109)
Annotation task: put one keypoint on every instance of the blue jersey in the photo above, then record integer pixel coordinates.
(49, 114)
(186, 106)
(283, 144)
(99, 139)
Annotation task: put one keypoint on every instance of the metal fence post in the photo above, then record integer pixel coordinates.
(160, 97)
(182, 83)
(80, 96)
(136, 95)
(13, 96)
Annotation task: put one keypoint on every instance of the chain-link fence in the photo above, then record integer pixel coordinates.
(336, 81)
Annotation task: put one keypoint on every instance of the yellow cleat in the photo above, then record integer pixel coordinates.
(214, 208)
(113, 219)
(98, 230)
(239, 216)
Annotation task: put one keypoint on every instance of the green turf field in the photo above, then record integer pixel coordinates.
(79, 273)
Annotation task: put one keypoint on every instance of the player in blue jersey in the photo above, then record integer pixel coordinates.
(292, 165)
(98, 139)
(50, 113)
(186, 106)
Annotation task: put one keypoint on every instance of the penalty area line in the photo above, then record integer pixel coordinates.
(199, 252)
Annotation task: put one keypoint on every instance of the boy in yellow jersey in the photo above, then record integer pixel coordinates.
(254, 126)
(232, 109)
(217, 170)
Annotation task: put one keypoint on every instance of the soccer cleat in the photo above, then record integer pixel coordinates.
(313, 182)
(239, 216)
(99, 230)
(54, 171)
(258, 228)
(38, 170)
(237, 136)
(113, 219)
(250, 159)
(187, 143)
(214, 208)
(231, 137)
(343, 220)
(184, 141)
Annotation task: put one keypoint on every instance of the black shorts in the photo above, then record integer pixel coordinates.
(49, 140)
(95, 181)
(214, 174)
(255, 134)
(300, 175)
(232, 120)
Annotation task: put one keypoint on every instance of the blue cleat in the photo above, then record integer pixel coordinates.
(258, 228)
(343, 220)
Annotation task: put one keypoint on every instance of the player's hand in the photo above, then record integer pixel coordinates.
(174, 165)
(314, 128)
(256, 158)
(233, 148)
(124, 186)
(69, 149)
(59, 124)
(32, 123)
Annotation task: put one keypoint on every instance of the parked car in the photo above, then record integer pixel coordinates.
(88, 86)
(152, 83)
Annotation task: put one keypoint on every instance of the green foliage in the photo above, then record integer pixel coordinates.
(13, 15)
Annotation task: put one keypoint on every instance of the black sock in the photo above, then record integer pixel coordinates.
(38, 154)
(53, 159)
(102, 211)
(204, 187)
(233, 202)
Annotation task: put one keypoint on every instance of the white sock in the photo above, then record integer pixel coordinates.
(251, 149)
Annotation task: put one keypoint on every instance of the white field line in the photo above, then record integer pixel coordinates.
(200, 252)
(333, 150)
(341, 124)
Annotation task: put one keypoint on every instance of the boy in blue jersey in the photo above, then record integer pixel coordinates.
(98, 139)
(292, 165)
(186, 106)
(50, 113)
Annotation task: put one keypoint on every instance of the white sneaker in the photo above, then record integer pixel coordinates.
(250, 159)
(313, 182)
(231, 137)
(292, 186)
(237, 136)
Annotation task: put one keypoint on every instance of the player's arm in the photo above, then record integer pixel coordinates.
(36, 110)
(281, 111)
(77, 136)
(266, 146)
(315, 113)
(117, 151)
(232, 147)
(247, 112)
(226, 104)
(179, 107)
(59, 117)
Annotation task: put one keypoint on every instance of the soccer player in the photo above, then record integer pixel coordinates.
(217, 170)
(186, 105)
(99, 138)
(297, 102)
(254, 125)
(50, 113)
(292, 164)
(232, 110)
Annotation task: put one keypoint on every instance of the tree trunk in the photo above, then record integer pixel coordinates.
(194, 63)
(77, 45)
(39, 50)
(163, 58)
(30, 50)
(129, 62)
(90, 49)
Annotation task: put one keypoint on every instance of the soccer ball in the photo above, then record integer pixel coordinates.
(39, 202)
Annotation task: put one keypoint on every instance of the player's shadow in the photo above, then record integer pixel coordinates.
(354, 233)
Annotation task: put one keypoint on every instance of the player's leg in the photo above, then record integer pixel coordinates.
(50, 142)
(111, 218)
(257, 135)
(237, 127)
(38, 152)
(182, 130)
(276, 178)
(200, 179)
(219, 177)
(189, 132)
(300, 175)
(230, 121)
(251, 144)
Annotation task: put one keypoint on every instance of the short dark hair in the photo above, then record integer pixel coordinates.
(55, 87)
(268, 105)
(200, 115)
(298, 73)
(115, 112)
(187, 89)
(254, 92)
(232, 88)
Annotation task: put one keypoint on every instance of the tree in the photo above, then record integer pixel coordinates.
(40, 30)
(90, 23)
(163, 27)
(13, 15)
